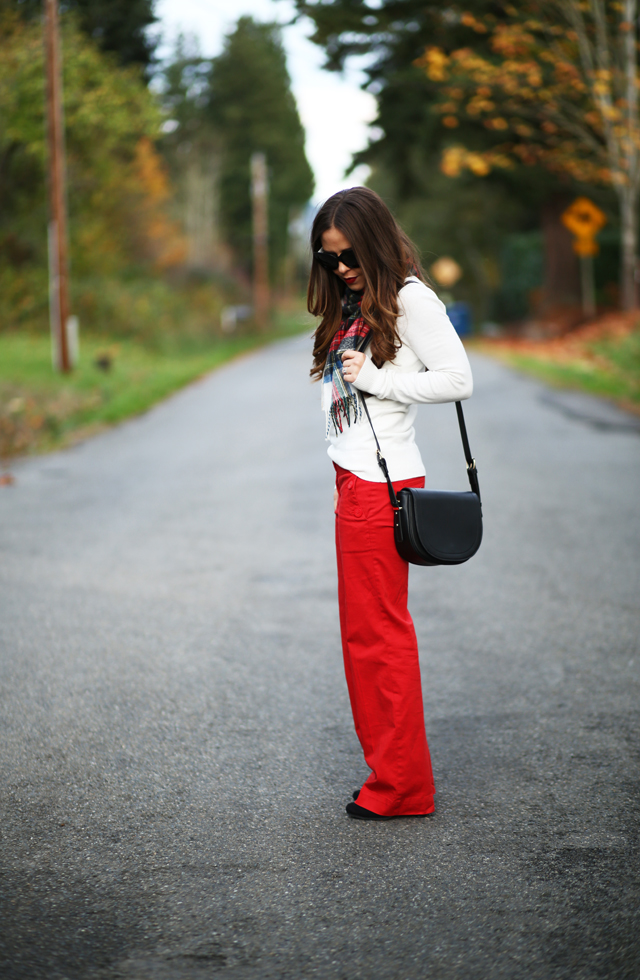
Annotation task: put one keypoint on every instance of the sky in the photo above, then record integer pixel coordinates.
(334, 111)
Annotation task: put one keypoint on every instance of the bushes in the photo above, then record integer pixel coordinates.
(156, 313)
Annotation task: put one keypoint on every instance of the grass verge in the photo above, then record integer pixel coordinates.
(42, 410)
(602, 358)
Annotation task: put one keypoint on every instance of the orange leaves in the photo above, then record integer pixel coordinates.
(435, 62)
(512, 41)
(457, 159)
(567, 75)
(601, 86)
(470, 21)
(477, 106)
(549, 76)
(469, 62)
(162, 239)
(151, 171)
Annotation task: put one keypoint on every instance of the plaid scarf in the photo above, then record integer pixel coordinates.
(339, 399)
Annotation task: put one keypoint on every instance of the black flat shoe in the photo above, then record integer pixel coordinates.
(359, 813)
(355, 794)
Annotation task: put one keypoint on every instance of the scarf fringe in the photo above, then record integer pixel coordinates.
(343, 409)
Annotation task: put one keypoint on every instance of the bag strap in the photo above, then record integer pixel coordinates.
(472, 469)
(382, 463)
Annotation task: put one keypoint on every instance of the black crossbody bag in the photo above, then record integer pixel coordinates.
(436, 527)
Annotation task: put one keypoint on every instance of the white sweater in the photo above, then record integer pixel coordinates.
(428, 341)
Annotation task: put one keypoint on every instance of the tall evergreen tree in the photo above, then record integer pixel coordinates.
(120, 26)
(253, 109)
(391, 35)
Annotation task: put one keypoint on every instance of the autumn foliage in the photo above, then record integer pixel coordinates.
(118, 188)
(534, 90)
(553, 83)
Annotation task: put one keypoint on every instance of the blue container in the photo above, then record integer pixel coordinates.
(460, 316)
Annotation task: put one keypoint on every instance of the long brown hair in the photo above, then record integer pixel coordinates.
(386, 256)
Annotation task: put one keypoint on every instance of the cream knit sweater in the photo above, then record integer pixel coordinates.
(428, 341)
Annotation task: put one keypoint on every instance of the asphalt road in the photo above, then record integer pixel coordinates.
(177, 748)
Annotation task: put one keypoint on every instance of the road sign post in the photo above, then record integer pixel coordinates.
(587, 286)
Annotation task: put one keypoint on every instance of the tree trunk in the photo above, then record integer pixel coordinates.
(561, 284)
(629, 241)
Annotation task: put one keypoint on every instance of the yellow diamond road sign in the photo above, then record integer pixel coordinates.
(584, 219)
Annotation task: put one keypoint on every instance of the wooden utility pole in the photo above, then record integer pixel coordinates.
(259, 192)
(58, 251)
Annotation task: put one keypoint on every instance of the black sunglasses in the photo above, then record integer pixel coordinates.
(331, 261)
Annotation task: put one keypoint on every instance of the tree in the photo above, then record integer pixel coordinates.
(560, 82)
(117, 185)
(390, 36)
(118, 26)
(474, 217)
(191, 147)
(252, 109)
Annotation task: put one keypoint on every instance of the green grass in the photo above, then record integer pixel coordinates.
(610, 367)
(593, 379)
(624, 357)
(41, 409)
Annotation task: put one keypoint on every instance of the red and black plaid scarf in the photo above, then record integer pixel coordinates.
(340, 400)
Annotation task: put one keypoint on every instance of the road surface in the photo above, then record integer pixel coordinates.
(177, 743)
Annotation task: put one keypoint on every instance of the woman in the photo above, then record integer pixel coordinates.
(381, 328)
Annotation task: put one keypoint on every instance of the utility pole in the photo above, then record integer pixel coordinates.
(260, 232)
(58, 256)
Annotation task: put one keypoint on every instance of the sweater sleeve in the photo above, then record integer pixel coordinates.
(428, 331)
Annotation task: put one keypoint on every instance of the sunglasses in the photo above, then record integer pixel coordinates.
(331, 261)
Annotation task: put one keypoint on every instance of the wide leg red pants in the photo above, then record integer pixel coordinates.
(380, 650)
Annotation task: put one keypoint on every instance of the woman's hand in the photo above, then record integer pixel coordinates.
(335, 499)
(352, 361)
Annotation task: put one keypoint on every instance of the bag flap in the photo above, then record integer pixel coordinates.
(448, 524)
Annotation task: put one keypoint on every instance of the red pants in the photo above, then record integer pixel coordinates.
(380, 650)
